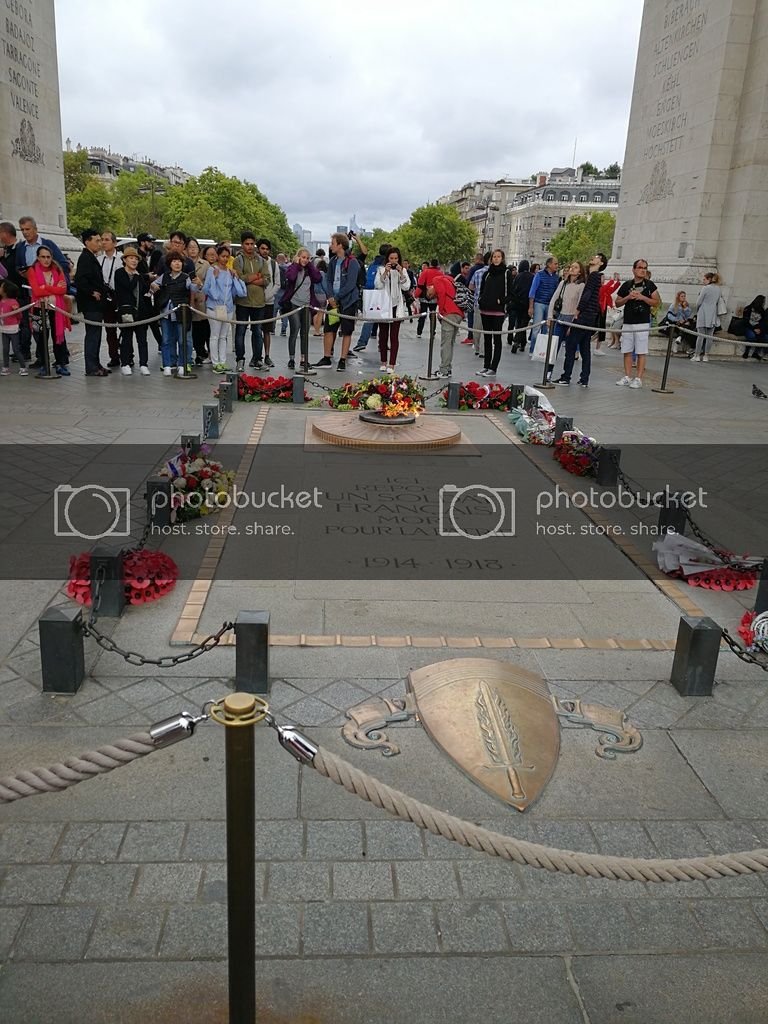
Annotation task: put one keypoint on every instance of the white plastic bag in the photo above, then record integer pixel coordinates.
(377, 304)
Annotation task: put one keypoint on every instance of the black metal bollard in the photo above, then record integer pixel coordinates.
(454, 392)
(530, 403)
(562, 423)
(608, 462)
(158, 497)
(298, 389)
(252, 652)
(761, 601)
(107, 567)
(225, 397)
(233, 379)
(672, 515)
(517, 391)
(191, 444)
(696, 652)
(211, 421)
(305, 318)
(62, 656)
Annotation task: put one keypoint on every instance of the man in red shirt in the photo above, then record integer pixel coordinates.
(442, 290)
(426, 277)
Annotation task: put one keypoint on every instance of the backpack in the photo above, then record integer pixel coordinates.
(464, 298)
(370, 275)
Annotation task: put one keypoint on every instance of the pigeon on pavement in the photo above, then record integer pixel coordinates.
(757, 392)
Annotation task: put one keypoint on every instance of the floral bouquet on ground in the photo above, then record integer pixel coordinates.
(265, 389)
(474, 395)
(389, 396)
(199, 485)
(147, 575)
(577, 453)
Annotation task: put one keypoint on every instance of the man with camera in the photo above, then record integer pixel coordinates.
(110, 260)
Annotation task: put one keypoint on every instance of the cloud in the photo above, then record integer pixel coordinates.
(349, 109)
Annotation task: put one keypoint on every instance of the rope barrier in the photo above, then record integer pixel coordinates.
(569, 862)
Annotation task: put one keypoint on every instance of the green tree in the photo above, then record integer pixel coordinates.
(612, 171)
(91, 207)
(77, 171)
(379, 237)
(583, 236)
(140, 203)
(588, 169)
(436, 232)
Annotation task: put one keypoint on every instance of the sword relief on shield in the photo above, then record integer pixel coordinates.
(500, 737)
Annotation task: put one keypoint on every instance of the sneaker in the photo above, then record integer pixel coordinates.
(598, 352)
(126, 371)
(623, 382)
(325, 361)
(341, 366)
(636, 383)
(490, 373)
(383, 368)
(258, 365)
(391, 370)
(23, 372)
(144, 371)
(443, 373)
(5, 372)
(359, 348)
(695, 358)
(44, 373)
(252, 363)
(563, 383)
(483, 372)
(207, 361)
(583, 383)
(167, 371)
(468, 341)
(291, 364)
(220, 368)
(239, 365)
(283, 333)
(268, 361)
(705, 359)
(679, 339)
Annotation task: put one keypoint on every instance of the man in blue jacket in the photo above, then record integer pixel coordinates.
(543, 287)
(343, 296)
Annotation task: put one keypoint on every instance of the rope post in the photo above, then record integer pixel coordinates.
(696, 652)
(191, 444)
(454, 390)
(304, 321)
(211, 421)
(530, 403)
(225, 397)
(240, 767)
(429, 375)
(46, 373)
(608, 460)
(62, 654)
(672, 515)
(298, 389)
(158, 495)
(761, 600)
(664, 390)
(107, 580)
(546, 384)
(562, 423)
(252, 652)
(517, 391)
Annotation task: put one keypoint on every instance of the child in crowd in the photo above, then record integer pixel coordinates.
(10, 319)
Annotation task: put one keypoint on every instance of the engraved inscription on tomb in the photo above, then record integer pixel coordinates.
(22, 71)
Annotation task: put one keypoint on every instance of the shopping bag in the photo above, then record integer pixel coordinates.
(540, 348)
(377, 304)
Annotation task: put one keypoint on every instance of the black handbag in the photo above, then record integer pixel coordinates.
(557, 308)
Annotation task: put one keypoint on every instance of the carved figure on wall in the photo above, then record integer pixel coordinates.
(25, 146)
(660, 185)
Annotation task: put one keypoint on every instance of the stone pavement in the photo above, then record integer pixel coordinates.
(112, 895)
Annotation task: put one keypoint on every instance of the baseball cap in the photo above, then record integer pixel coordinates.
(145, 237)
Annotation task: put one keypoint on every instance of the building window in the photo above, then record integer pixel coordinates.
(597, 197)
(612, 198)
(565, 197)
(583, 198)
(561, 222)
(547, 222)
(545, 244)
(549, 197)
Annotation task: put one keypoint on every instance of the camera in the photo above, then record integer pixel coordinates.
(350, 235)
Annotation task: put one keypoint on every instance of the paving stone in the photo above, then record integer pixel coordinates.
(28, 843)
(441, 849)
(652, 714)
(214, 885)
(404, 927)
(542, 884)
(537, 927)
(146, 693)
(729, 766)
(427, 880)
(335, 928)
(678, 839)
(55, 933)
(353, 881)
(310, 711)
(623, 839)
(297, 881)
(334, 840)
(91, 841)
(126, 933)
(741, 887)
(760, 907)
(730, 836)
(343, 695)
(601, 926)
(277, 930)
(195, 932)
(730, 923)
(206, 840)
(10, 923)
(153, 840)
(279, 840)
(566, 835)
(393, 840)
(471, 928)
(38, 883)
(664, 924)
(169, 883)
(489, 879)
(105, 710)
(100, 883)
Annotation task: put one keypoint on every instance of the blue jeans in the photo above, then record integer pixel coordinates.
(177, 350)
(539, 313)
(252, 314)
(578, 340)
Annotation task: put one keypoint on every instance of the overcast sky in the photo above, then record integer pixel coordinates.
(335, 109)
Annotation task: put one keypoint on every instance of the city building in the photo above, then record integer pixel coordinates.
(486, 205)
(106, 165)
(538, 214)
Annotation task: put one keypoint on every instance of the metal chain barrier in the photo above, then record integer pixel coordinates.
(166, 661)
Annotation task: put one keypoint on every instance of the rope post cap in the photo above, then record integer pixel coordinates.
(239, 709)
(240, 705)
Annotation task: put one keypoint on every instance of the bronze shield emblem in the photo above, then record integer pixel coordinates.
(496, 721)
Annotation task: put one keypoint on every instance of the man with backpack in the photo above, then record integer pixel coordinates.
(341, 287)
(370, 329)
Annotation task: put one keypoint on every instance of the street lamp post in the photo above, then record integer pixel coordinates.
(153, 190)
(486, 204)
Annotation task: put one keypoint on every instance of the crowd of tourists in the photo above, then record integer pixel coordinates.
(200, 302)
